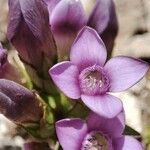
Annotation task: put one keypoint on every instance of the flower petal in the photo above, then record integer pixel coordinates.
(51, 5)
(105, 105)
(113, 127)
(30, 34)
(124, 72)
(71, 133)
(66, 19)
(35, 15)
(127, 143)
(100, 15)
(88, 49)
(15, 18)
(111, 31)
(104, 20)
(65, 76)
(68, 16)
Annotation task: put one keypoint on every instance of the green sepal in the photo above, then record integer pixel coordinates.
(146, 135)
(130, 131)
(78, 110)
(45, 127)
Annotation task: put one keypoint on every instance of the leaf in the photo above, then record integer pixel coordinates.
(130, 131)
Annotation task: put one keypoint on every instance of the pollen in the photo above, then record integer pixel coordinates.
(95, 141)
(93, 80)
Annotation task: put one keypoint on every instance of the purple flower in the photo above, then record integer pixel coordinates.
(19, 104)
(67, 17)
(29, 32)
(88, 77)
(36, 146)
(97, 133)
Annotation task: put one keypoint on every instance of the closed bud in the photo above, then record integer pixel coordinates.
(67, 17)
(30, 34)
(19, 104)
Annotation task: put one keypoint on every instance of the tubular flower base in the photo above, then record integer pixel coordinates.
(88, 76)
(97, 133)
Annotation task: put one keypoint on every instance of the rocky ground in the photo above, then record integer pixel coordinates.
(133, 40)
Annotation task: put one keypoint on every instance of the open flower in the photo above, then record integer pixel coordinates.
(67, 17)
(97, 133)
(88, 77)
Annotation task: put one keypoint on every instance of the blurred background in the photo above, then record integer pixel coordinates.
(133, 40)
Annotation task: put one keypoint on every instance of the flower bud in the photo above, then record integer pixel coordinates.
(19, 104)
(67, 17)
(29, 32)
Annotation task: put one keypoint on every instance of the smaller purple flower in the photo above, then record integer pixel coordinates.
(97, 133)
(88, 77)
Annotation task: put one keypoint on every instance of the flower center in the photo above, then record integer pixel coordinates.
(96, 141)
(93, 80)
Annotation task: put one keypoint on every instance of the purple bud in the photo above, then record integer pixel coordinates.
(66, 19)
(36, 146)
(104, 20)
(29, 32)
(18, 103)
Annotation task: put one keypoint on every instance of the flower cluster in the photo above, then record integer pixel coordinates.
(66, 43)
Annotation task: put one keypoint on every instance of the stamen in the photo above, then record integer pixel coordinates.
(96, 141)
(93, 80)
